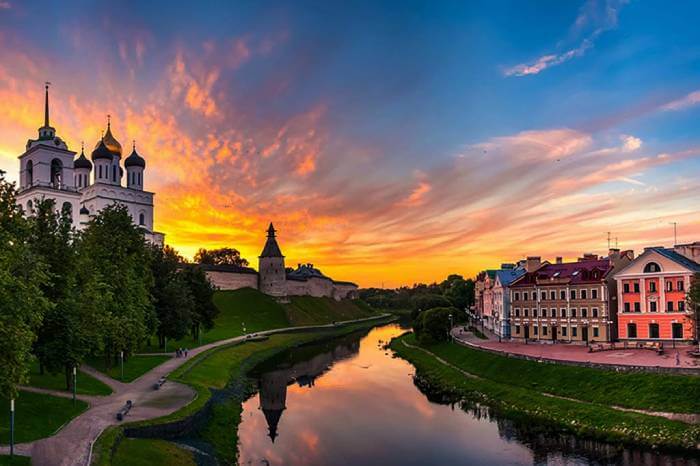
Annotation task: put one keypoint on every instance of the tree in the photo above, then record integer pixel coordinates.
(22, 301)
(459, 291)
(694, 306)
(204, 311)
(114, 260)
(429, 301)
(222, 256)
(434, 324)
(172, 299)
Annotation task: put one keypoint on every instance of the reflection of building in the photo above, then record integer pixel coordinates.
(273, 384)
(80, 187)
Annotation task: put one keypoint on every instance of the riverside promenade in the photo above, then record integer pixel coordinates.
(578, 354)
(72, 444)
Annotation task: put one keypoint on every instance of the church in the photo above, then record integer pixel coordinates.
(48, 169)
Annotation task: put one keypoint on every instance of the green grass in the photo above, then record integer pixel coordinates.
(37, 416)
(134, 367)
(511, 399)
(146, 452)
(16, 461)
(638, 390)
(307, 310)
(86, 385)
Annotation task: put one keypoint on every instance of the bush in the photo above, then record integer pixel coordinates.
(434, 324)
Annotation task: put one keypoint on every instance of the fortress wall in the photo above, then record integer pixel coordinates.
(344, 291)
(232, 280)
(296, 288)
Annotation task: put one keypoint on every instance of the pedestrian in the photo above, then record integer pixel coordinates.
(185, 352)
(678, 358)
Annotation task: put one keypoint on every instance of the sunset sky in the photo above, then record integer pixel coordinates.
(389, 142)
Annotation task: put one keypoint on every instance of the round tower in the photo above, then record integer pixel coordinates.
(273, 276)
(135, 165)
(81, 170)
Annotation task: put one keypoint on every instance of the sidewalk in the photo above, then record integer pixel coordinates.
(579, 353)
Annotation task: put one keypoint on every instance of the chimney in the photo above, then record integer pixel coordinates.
(560, 260)
(533, 263)
(614, 253)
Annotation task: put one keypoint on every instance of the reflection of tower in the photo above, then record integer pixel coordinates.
(273, 397)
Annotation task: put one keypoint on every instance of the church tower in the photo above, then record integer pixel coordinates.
(135, 165)
(273, 276)
(46, 170)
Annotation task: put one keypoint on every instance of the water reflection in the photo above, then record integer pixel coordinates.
(349, 402)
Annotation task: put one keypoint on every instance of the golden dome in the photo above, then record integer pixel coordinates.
(112, 144)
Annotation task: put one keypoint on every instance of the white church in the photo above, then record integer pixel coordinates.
(48, 169)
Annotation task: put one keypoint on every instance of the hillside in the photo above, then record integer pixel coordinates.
(307, 310)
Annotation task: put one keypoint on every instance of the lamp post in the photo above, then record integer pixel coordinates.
(12, 427)
(449, 332)
(121, 358)
(75, 380)
(166, 343)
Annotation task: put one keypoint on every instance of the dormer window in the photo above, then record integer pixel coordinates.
(652, 267)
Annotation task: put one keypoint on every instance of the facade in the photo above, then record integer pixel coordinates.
(487, 299)
(501, 297)
(566, 302)
(653, 290)
(49, 170)
(274, 279)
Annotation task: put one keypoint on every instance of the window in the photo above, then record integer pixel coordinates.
(30, 173)
(631, 330)
(637, 307)
(56, 172)
(626, 288)
(517, 313)
(562, 295)
(669, 286)
(563, 331)
(627, 307)
(584, 294)
(517, 296)
(544, 330)
(534, 313)
(525, 296)
(652, 306)
(30, 206)
(563, 312)
(584, 312)
(596, 332)
(114, 173)
(99, 171)
(636, 287)
(681, 306)
(595, 312)
(534, 330)
(652, 267)
(517, 329)
(574, 331)
(669, 306)
(553, 313)
(653, 330)
(142, 219)
(572, 295)
(573, 312)
(552, 295)
(680, 286)
(677, 330)
(526, 312)
(543, 295)
(594, 294)
(652, 287)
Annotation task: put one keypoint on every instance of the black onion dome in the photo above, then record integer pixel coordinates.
(101, 152)
(82, 162)
(84, 211)
(134, 160)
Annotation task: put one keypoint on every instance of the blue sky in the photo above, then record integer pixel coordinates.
(403, 139)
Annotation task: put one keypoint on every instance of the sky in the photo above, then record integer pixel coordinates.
(389, 142)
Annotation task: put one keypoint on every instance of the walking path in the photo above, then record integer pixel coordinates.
(72, 445)
(579, 353)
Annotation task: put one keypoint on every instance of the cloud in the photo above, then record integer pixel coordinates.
(5, 5)
(687, 101)
(596, 16)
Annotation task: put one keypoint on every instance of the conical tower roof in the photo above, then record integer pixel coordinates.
(271, 248)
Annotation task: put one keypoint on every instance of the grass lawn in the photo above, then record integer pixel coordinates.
(86, 385)
(37, 416)
(134, 367)
(146, 452)
(16, 461)
(656, 392)
(513, 398)
(307, 310)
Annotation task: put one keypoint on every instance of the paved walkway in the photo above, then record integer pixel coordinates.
(579, 353)
(72, 445)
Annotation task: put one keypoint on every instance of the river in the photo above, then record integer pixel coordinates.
(349, 402)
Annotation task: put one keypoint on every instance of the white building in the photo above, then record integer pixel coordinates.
(48, 169)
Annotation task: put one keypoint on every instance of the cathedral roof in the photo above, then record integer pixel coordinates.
(82, 161)
(110, 141)
(271, 248)
(101, 151)
(135, 160)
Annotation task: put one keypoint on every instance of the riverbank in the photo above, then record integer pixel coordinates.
(219, 377)
(515, 389)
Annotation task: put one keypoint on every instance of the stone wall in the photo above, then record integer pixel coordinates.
(233, 281)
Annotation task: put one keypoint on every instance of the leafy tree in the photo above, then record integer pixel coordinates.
(459, 291)
(172, 299)
(22, 303)
(204, 311)
(114, 259)
(434, 324)
(222, 256)
(429, 301)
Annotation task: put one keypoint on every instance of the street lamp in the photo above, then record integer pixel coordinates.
(12, 427)
(449, 333)
(121, 358)
(75, 379)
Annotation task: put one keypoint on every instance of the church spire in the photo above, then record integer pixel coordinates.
(46, 105)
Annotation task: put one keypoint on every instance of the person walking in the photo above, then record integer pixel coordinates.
(678, 358)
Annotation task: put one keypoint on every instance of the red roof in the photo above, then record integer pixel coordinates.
(574, 273)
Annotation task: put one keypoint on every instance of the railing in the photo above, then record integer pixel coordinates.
(43, 184)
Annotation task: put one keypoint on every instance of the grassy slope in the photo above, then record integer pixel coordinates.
(16, 461)
(37, 416)
(511, 399)
(307, 310)
(147, 452)
(86, 385)
(134, 367)
(656, 392)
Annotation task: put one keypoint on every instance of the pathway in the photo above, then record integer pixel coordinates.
(72, 445)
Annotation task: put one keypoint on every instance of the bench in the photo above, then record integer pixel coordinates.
(160, 383)
(124, 410)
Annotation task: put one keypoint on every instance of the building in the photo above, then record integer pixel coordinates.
(500, 297)
(653, 292)
(566, 301)
(275, 279)
(49, 170)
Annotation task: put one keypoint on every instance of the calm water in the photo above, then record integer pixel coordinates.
(350, 403)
